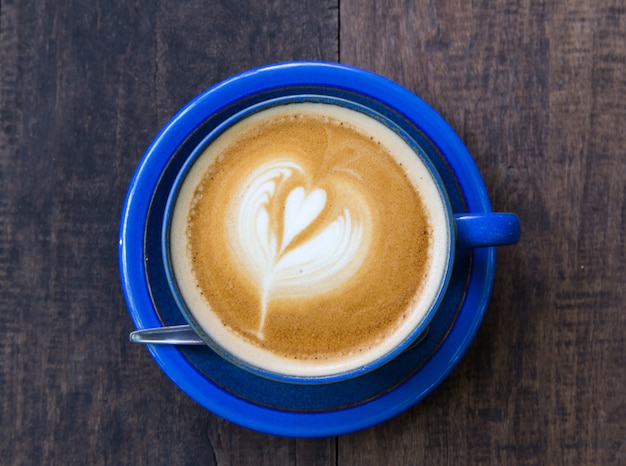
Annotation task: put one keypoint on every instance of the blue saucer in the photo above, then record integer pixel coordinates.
(270, 406)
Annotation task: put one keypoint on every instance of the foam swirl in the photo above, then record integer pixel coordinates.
(285, 242)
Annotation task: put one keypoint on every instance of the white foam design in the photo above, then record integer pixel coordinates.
(331, 254)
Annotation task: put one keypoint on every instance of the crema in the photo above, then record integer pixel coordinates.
(309, 239)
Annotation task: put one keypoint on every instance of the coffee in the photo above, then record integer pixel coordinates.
(309, 239)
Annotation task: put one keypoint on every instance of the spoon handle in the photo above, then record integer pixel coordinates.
(174, 335)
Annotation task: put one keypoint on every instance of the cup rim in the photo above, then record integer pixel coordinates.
(295, 96)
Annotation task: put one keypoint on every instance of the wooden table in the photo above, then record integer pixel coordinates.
(537, 91)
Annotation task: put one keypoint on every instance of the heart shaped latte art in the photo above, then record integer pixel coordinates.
(285, 240)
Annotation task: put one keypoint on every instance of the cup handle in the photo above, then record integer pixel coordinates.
(487, 229)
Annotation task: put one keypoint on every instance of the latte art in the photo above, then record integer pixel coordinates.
(281, 241)
(308, 239)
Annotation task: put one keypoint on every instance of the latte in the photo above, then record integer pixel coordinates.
(309, 239)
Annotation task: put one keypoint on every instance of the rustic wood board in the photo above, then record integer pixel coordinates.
(84, 88)
(537, 91)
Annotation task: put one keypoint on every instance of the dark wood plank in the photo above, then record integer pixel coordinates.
(536, 90)
(235, 446)
(84, 86)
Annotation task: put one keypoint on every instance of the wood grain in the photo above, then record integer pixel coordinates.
(536, 90)
(84, 87)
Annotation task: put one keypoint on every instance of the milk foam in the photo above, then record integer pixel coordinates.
(285, 236)
(265, 246)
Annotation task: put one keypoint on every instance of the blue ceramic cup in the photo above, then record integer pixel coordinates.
(197, 125)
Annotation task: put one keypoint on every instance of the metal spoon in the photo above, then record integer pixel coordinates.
(174, 335)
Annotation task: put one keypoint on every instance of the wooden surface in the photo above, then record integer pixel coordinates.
(536, 89)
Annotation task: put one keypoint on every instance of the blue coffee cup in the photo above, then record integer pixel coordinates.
(275, 87)
(148, 207)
